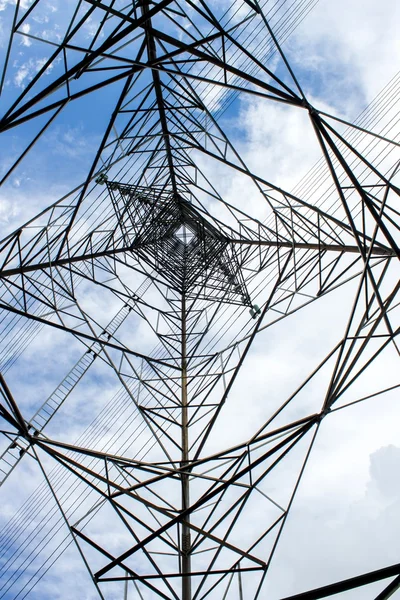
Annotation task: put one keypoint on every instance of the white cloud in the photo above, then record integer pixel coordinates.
(342, 503)
(90, 27)
(25, 41)
(329, 538)
(21, 75)
(351, 45)
(41, 19)
(27, 70)
(23, 3)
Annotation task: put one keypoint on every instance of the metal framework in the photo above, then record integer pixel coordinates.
(185, 516)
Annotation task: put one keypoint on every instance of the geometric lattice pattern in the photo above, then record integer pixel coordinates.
(156, 497)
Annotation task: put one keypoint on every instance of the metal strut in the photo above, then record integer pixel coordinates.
(185, 537)
(17, 448)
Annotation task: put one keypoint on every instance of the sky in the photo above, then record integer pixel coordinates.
(345, 515)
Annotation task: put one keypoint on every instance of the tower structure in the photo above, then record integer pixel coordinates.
(176, 512)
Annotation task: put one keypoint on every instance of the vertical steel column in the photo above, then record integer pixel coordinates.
(126, 586)
(185, 539)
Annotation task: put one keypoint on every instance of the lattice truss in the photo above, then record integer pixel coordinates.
(155, 506)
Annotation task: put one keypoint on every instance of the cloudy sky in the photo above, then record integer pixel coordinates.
(345, 516)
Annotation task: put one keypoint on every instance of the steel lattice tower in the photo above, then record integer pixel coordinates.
(187, 516)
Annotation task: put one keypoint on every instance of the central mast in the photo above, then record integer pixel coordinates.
(185, 537)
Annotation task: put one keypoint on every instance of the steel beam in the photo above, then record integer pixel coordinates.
(347, 584)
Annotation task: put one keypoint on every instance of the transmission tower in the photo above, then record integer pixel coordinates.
(156, 497)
